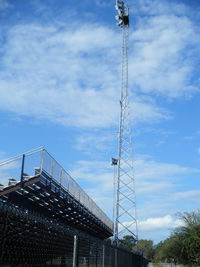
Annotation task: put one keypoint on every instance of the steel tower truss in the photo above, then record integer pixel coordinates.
(125, 206)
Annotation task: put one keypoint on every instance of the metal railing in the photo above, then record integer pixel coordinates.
(39, 160)
(57, 172)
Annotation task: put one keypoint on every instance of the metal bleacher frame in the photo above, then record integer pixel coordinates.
(44, 194)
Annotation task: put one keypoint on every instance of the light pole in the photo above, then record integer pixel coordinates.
(114, 163)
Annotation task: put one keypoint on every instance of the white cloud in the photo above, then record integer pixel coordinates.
(187, 195)
(11, 169)
(3, 156)
(98, 173)
(96, 178)
(156, 185)
(56, 74)
(156, 7)
(146, 110)
(162, 60)
(160, 187)
(157, 223)
(71, 75)
(90, 143)
(152, 176)
(156, 227)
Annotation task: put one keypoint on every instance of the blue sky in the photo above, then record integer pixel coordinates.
(60, 87)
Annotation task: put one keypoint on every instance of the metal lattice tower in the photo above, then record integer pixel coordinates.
(125, 202)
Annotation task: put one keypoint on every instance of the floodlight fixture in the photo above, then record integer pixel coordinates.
(123, 14)
(114, 161)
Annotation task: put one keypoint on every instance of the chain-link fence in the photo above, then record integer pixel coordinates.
(28, 239)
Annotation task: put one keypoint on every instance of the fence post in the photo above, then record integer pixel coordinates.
(96, 263)
(4, 234)
(68, 183)
(52, 170)
(22, 170)
(74, 189)
(88, 263)
(42, 160)
(103, 258)
(142, 260)
(61, 173)
(75, 252)
(116, 263)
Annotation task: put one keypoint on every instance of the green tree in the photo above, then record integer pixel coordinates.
(169, 250)
(146, 246)
(127, 242)
(189, 237)
(184, 244)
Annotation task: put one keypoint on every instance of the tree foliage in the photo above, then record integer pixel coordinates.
(182, 247)
(146, 247)
(184, 244)
(127, 242)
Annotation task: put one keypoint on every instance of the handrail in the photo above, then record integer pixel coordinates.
(28, 153)
(90, 204)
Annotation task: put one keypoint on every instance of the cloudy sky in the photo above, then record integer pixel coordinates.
(60, 87)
